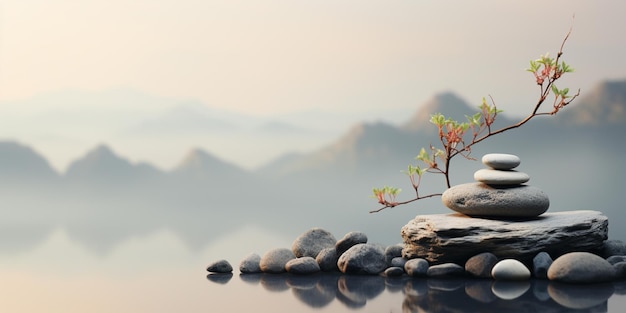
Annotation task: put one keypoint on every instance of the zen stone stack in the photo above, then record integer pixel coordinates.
(502, 215)
(499, 191)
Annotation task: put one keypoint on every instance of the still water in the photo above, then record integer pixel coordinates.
(160, 273)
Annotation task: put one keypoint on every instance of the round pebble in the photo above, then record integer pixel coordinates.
(250, 264)
(479, 199)
(541, 264)
(501, 161)
(445, 270)
(274, 260)
(481, 265)
(221, 266)
(510, 269)
(416, 267)
(303, 265)
(498, 177)
(581, 267)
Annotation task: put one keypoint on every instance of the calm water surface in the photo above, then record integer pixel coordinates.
(159, 273)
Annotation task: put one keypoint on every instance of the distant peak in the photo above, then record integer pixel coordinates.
(446, 103)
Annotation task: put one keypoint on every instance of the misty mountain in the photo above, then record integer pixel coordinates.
(199, 165)
(603, 105)
(22, 163)
(578, 165)
(102, 165)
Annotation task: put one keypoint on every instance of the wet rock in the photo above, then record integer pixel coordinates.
(312, 242)
(327, 260)
(541, 264)
(393, 271)
(620, 270)
(398, 262)
(616, 259)
(480, 265)
(350, 239)
(416, 267)
(510, 269)
(445, 270)
(392, 252)
(581, 267)
(363, 259)
(442, 238)
(221, 266)
(613, 247)
(274, 261)
(302, 266)
(250, 264)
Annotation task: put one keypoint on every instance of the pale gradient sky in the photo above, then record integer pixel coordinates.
(277, 56)
(283, 55)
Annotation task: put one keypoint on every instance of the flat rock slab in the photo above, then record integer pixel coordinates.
(443, 238)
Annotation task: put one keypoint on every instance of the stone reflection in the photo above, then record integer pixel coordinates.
(498, 296)
(221, 278)
(438, 295)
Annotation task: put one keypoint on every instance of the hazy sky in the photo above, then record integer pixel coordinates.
(281, 55)
(276, 56)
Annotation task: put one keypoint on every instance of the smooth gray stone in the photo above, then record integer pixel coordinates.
(303, 265)
(363, 259)
(441, 238)
(311, 242)
(250, 264)
(350, 239)
(221, 266)
(445, 270)
(398, 261)
(541, 264)
(500, 177)
(616, 259)
(613, 247)
(327, 260)
(620, 269)
(393, 271)
(501, 161)
(392, 252)
(479, 199)
(480, 265)
(416, 267)
(510, 269)
(274, 261)
(581, 267)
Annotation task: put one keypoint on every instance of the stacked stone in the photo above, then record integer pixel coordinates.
(499, 191)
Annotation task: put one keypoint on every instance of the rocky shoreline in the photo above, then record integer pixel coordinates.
(500, 231)
(316, 250)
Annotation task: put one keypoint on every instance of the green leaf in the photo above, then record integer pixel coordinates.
(555, 90)
(423, 156)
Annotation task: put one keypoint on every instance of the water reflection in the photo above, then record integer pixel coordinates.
(438, 295)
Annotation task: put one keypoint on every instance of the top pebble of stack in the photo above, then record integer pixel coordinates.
(501, 161)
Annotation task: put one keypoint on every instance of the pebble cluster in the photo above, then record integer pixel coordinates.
(317, 251)
(499, 191)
